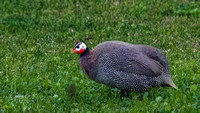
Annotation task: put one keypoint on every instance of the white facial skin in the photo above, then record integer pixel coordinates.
(82, 45)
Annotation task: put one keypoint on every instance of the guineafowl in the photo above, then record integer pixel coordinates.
(125, 66)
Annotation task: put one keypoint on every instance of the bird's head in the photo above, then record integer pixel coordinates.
(80, 47)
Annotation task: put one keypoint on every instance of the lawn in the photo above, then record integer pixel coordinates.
(38, 73)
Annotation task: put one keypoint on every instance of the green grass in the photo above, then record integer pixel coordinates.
(39, 74)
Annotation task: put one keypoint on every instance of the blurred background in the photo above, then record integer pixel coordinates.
(39, 74)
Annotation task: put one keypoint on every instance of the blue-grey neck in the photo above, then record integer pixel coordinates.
(87, 51)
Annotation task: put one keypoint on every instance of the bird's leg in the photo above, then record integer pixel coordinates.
(122, 93)
(127, 92)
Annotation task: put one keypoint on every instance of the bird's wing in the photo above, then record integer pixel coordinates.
(136, 63)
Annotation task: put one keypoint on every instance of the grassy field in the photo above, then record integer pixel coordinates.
(39, 74)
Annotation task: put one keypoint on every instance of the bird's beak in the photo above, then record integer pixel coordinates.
(73, 50)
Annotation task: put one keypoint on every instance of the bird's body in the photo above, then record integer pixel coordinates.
(127, 67)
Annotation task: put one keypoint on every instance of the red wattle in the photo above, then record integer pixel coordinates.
(78, 52)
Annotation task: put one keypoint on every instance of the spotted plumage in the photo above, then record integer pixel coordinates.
(125, 66)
